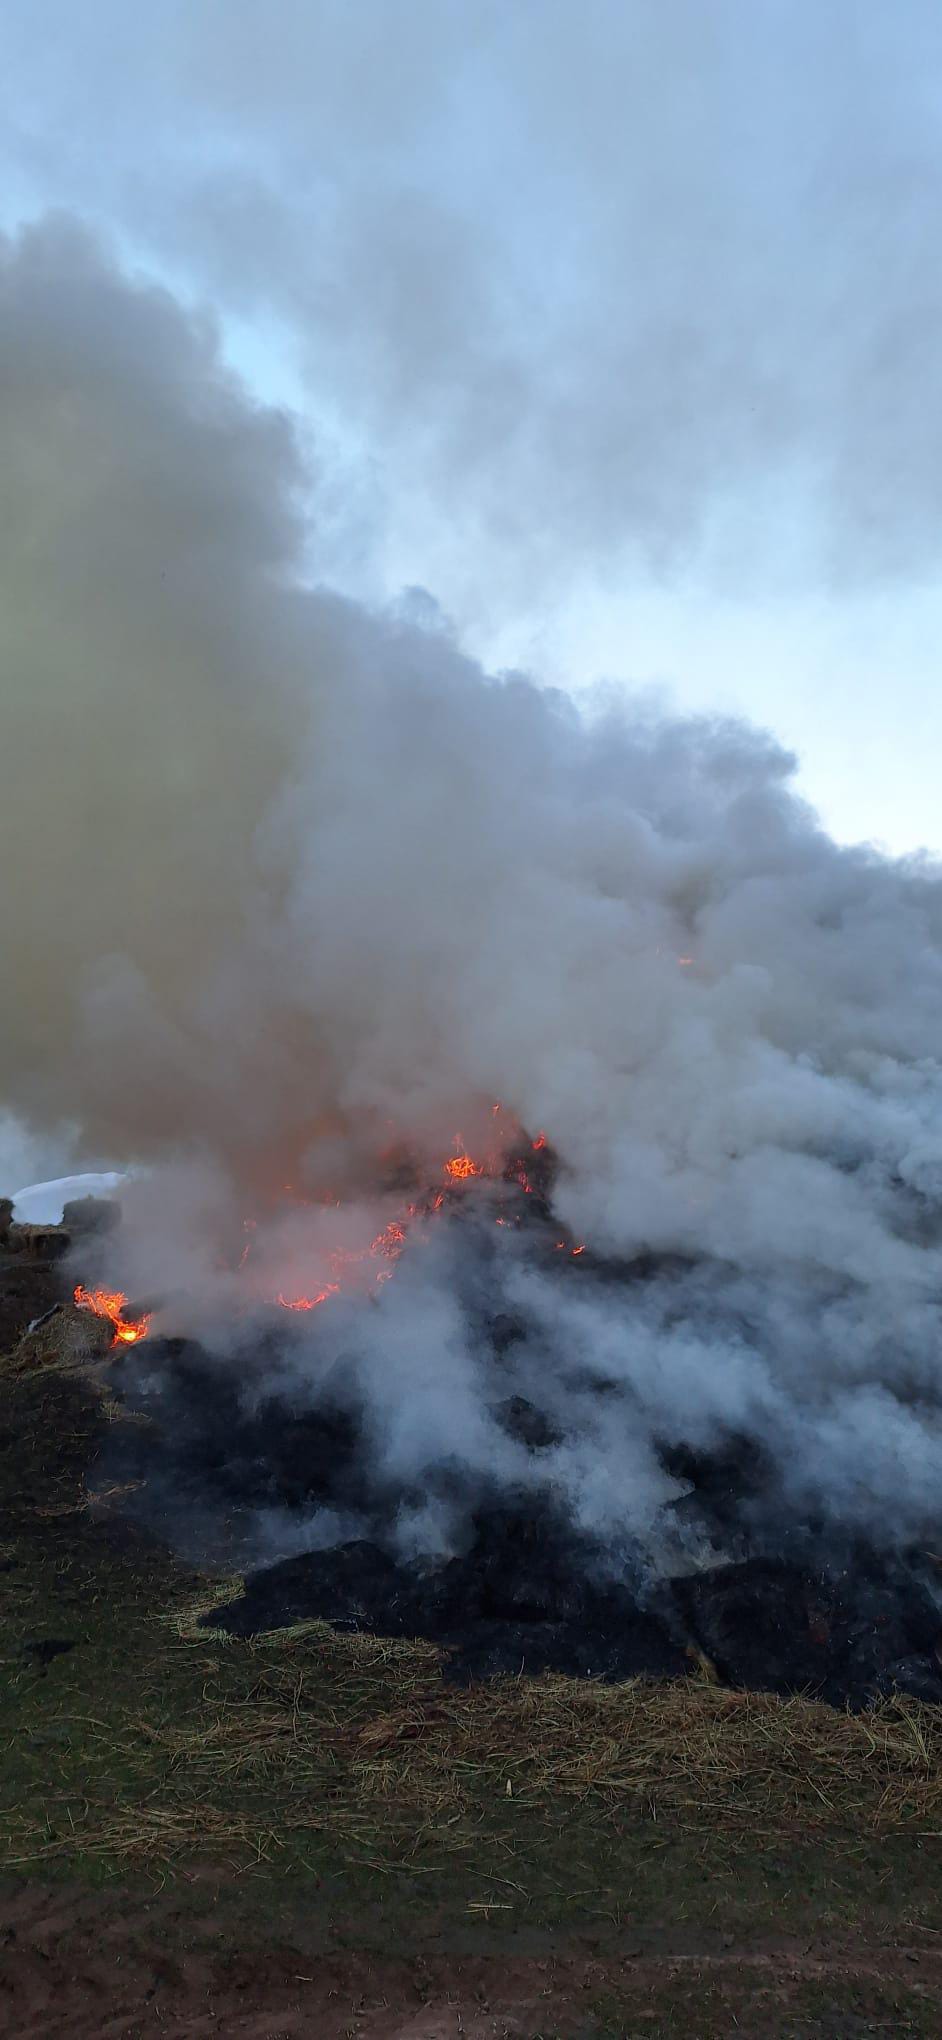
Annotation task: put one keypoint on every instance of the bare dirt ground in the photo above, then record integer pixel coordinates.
(106, 1967)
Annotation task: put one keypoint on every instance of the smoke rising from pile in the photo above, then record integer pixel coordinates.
(288, 883)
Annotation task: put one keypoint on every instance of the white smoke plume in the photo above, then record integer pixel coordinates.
(287, 883)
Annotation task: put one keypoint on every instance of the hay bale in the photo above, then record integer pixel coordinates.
(67, 1338)
(41, 1242)
(90, 1215)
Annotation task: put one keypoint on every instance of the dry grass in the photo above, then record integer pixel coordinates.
(745, 1761)
(146, 1835)
(311, 1745)
(71, 1341)
(239, 1748)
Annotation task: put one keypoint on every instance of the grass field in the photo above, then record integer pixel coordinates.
(381, 1850)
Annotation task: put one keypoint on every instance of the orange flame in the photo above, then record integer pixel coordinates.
(109, 1303)
(385, 1249)
(388, 1244)
(459, 1166)
(308, 1302)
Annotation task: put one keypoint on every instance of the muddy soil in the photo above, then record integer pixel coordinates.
(76, 1965)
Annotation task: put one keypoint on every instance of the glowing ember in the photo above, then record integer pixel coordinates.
(387, 1246)
(109, 1303)
(374, 1263)
(309, 1302)
(459, 1166)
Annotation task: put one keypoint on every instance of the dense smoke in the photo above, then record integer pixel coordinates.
(291, 886)
(638, 280)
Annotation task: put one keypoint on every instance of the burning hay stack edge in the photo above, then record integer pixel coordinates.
(217, 1464)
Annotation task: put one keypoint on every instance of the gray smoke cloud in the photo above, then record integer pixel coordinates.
(626, 285)
(288, 882)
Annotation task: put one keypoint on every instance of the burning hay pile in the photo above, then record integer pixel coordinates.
(261, 1454)
(648, 1362)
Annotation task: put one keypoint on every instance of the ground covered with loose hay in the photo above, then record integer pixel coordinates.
(310, 1833)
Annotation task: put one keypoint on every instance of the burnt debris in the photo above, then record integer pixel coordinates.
(520, 1599)
(526, 1598)
(264, 1460)
(220, 1461)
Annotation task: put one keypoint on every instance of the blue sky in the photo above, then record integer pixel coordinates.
(615, 326)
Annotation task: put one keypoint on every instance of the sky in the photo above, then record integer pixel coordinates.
(614, 327)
